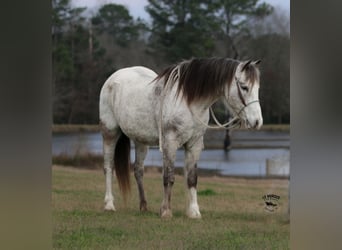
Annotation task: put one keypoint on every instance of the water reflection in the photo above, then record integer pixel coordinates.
(73, 143)
(235, 162)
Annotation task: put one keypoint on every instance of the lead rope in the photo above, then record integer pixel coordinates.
(227, 125)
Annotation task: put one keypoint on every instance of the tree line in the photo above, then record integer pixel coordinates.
(86, 48)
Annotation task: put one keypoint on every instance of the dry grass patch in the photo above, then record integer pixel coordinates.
(232, 210)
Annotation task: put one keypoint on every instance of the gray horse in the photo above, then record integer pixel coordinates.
(171, 110)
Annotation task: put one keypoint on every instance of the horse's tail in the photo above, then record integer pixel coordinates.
(122, 164)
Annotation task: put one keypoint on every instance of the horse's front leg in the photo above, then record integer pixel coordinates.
(169, 156)
(192, 154)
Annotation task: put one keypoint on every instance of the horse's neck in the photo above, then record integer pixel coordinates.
(168, 99)
(202, 107)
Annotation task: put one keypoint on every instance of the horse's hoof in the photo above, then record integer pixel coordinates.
(143, 209)
(194, 213)
(109, 207)
(143, 206)
(165, 214)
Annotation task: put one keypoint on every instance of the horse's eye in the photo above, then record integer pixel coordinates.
(244, 88)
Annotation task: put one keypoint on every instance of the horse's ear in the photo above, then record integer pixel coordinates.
(257, 62)
(245, 65)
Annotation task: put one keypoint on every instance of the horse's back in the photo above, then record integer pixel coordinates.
(136, 74)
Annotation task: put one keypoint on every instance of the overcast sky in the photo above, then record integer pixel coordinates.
(136, 7)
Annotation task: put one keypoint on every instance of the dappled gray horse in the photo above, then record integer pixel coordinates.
(171, 110)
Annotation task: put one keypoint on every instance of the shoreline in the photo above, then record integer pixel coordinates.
(155, 170)
(71, 128)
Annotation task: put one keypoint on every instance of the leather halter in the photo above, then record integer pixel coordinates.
(241, 97)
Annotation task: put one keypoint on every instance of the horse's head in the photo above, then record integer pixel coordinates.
(242, 97)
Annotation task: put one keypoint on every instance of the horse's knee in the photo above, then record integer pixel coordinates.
(169, 179)
(108, 170)
(168, 173)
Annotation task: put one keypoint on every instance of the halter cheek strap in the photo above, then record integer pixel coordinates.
(239, 92)
(241, 97)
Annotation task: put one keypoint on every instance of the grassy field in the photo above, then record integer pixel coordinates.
(233, 215)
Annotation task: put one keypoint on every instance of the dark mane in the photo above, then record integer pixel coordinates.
(201, 78)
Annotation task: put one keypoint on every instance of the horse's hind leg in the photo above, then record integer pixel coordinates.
(110, 138)
(192, 154)
(140, 154)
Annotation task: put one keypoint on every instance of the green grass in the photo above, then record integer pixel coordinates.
(232, 214)
(206, 192)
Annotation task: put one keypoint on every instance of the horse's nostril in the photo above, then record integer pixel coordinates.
(256, 124)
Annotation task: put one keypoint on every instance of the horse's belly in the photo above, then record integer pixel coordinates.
(141, 131)
(138, 122)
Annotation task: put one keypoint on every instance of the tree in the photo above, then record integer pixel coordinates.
(271, 44)
(186, 28)
(79, 66)
(124, 37)
(181, 29)
(116, 21)
(63, 21)
(234, 17)
(277, 22)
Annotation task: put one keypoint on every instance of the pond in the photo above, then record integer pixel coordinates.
(248, 156)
